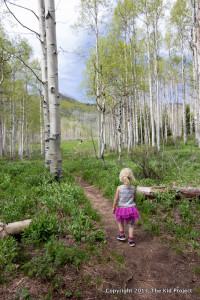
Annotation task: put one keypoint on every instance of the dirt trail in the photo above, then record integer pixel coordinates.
(157, 271)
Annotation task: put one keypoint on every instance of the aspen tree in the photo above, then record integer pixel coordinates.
(179, 20)
(147, 21)
(119, 129)
(90, 17)
(53, 94)
(43, 43)
(157, 15)
(198, 76)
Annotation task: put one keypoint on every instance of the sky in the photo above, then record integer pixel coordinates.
(70, 65)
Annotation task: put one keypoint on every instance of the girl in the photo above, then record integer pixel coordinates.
(127, 211)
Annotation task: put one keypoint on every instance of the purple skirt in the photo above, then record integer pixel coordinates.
(127, 214)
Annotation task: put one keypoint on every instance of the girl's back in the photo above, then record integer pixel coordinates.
(126, 196)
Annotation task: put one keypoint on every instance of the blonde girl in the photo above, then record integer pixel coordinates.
(126, 212)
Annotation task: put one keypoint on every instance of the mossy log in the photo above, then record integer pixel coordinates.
(13, 228)
(151, 191)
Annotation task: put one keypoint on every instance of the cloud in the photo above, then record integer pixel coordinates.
(70, 65)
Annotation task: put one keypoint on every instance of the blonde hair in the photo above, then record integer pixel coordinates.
(126, 176)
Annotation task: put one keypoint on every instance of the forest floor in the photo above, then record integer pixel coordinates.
(152, 270)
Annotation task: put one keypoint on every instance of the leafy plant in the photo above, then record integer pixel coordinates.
(56, 283)
(41, 228)
(8, 254)
(22, 293)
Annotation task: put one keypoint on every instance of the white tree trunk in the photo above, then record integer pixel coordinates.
(119, 128)
(145, 120)
(11, 147)
(4, 145)
(183, 93)
(41, 127)
(14, 129)
(1, 132)
(198, 75)
(150, 87)
(42, 28)
(53, 93)
(156, 85)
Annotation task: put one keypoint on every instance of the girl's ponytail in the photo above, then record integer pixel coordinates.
(126, 180)
(126, 176)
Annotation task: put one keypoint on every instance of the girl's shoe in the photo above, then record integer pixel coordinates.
(131, 243)
(121, 237)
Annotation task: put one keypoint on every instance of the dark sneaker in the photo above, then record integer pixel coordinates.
(121, 237)
(131, 243)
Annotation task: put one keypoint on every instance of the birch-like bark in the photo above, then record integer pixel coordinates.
(4, 133)
(150, 84)
(27, 125)
(97, 79)
(19, 128)
(1, 131)
(156, 85)
(53, 93)
(166, 113)
(11, 147)
(145, 119)
(14, 129)
(195, 70)
(183, 92)
(119, 129)
(136, 125)
(172, 109)
(198, 67)
(42, 28)
(41, 127)
(22, 133)
(141, 127)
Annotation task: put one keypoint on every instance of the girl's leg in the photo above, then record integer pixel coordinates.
(131, 230)
(121, 236)
(121, 227)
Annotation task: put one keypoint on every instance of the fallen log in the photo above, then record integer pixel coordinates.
(13, 228)
(151, 191)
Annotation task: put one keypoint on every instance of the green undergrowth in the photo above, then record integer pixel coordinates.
(64, 225)
(167, 214)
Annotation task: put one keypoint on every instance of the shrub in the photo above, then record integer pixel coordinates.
(148, 161)
(41, 228)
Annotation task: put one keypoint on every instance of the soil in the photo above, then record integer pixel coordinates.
(150, 270)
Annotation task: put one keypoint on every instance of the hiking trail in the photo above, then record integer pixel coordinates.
(157, 272)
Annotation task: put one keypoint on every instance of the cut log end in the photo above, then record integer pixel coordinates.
(13, 228)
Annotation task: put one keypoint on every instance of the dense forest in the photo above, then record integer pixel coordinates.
(144, 72)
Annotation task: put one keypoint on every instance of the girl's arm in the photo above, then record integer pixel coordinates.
(116, 199)
(135, 196)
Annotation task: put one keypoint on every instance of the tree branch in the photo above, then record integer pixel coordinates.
(18, 57)
(23, 8)
(37, 34)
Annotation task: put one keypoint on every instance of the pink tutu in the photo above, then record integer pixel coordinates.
(127, 214)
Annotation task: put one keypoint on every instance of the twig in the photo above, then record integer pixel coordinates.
(37, 34)
(23, 8)
(18, 57)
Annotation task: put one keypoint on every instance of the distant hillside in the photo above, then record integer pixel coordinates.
(78, 119)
